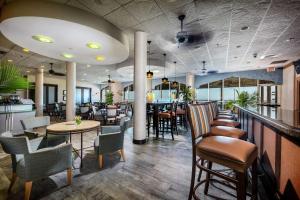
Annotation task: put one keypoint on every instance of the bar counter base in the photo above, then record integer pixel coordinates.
(139, 141)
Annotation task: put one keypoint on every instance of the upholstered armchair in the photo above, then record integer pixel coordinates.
(111, 140)
(35, 126)
(32, 160)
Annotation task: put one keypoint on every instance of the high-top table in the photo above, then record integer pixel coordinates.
(72, 128)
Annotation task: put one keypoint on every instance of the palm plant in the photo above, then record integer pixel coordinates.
(109, 97)
(187, 94)
(245, 99)
(11, 78)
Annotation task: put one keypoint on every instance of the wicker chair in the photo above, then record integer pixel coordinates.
(33, 160)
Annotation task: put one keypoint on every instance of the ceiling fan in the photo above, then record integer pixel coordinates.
(192, 37)
(109, 80)
(52, 72)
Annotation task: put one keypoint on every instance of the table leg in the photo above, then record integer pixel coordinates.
(81, 149)
(155, 121)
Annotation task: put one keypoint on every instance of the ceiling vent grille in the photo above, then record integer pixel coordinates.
(278, 62)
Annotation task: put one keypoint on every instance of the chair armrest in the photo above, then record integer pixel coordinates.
(110, 129)
(48, 161)
(109, 143)
(31, 134)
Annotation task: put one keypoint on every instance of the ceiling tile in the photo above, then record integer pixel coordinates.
(121, 18)
(143, 10)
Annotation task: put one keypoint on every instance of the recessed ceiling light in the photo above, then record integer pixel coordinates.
(42, 38)
(93, 45)
(100, 58)
(84, 74)
(67, 55)
(26, 50)
(27, 71)
(244, 28)
(88, 66)
(9, 60)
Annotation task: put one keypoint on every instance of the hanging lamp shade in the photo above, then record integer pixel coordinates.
(164, 80)
(149, 74)
(175, 83)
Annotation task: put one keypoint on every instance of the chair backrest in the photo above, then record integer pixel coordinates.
(209, 111)
(35, 122)
(213, 109)
(14, 145)
(198, 120)
(111, 111)
(123, 106)
(123, 124)
(84, 109)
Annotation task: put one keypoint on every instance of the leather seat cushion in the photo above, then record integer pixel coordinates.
(225, 122)
(164, 115)
(225, 112)
(224, 117)
(227, 131)
(231, 152)
(180, 111)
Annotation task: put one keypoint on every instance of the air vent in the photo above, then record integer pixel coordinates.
(278, 62)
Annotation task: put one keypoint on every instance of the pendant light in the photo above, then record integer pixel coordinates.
(164, 79)
(149, 73)
(175, 83)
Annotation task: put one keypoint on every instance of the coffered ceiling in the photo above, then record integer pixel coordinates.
(271, 32)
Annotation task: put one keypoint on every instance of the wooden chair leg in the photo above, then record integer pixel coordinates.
(28, 186)
(13, 180)
(69, 176)
(241, 186)
(100, 160)
(200, 172)
(254, 180)
(193, 176)
(209, 165)
(122, 154)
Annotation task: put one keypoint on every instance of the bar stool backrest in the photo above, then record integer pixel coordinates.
(213, 109)
(198, 120)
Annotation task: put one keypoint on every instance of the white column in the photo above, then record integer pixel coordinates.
(71, 91)
(39, 87)
(190, 80)
(140, 62)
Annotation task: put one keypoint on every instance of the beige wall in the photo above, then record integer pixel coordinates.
(61, 83)
(287, 92)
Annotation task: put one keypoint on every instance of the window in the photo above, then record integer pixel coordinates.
(128, 93)
(83, 95)
(215, 90)
(202, 92)
(248, 85)
(231, 85)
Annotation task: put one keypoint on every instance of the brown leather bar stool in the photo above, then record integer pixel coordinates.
(167, 120)
(212, 109)
(233, 153)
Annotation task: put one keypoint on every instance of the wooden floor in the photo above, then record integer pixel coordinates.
(157, 170)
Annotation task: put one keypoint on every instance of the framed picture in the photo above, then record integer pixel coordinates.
(64, 98)
(64, 92)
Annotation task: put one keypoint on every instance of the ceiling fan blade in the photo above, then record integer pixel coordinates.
(59, 74)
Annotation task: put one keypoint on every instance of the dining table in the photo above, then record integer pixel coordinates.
(70, 128)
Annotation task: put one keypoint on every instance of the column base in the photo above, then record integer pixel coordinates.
(139, 141)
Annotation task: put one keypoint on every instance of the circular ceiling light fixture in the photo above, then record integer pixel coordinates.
(26, 50)
(43, 38)
(100, 58)
(67, 55)
(93, 45)
(9, 60)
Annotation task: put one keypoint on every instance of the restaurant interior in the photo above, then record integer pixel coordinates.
(149, 99)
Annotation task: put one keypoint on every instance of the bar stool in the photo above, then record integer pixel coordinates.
(167, 120)
(212, 109)
(233, 153)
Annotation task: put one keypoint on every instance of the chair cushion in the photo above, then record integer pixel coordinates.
(225, 122)
(227, 131)
(180, 111)
(164, 115)
(231, 152)
(224, 117)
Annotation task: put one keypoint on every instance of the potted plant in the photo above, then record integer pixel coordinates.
(11, 78)
(187, 94)
(109, 98)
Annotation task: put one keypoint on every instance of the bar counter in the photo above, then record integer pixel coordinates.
(276, 132)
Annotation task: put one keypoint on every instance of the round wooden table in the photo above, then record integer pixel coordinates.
(72, 128)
